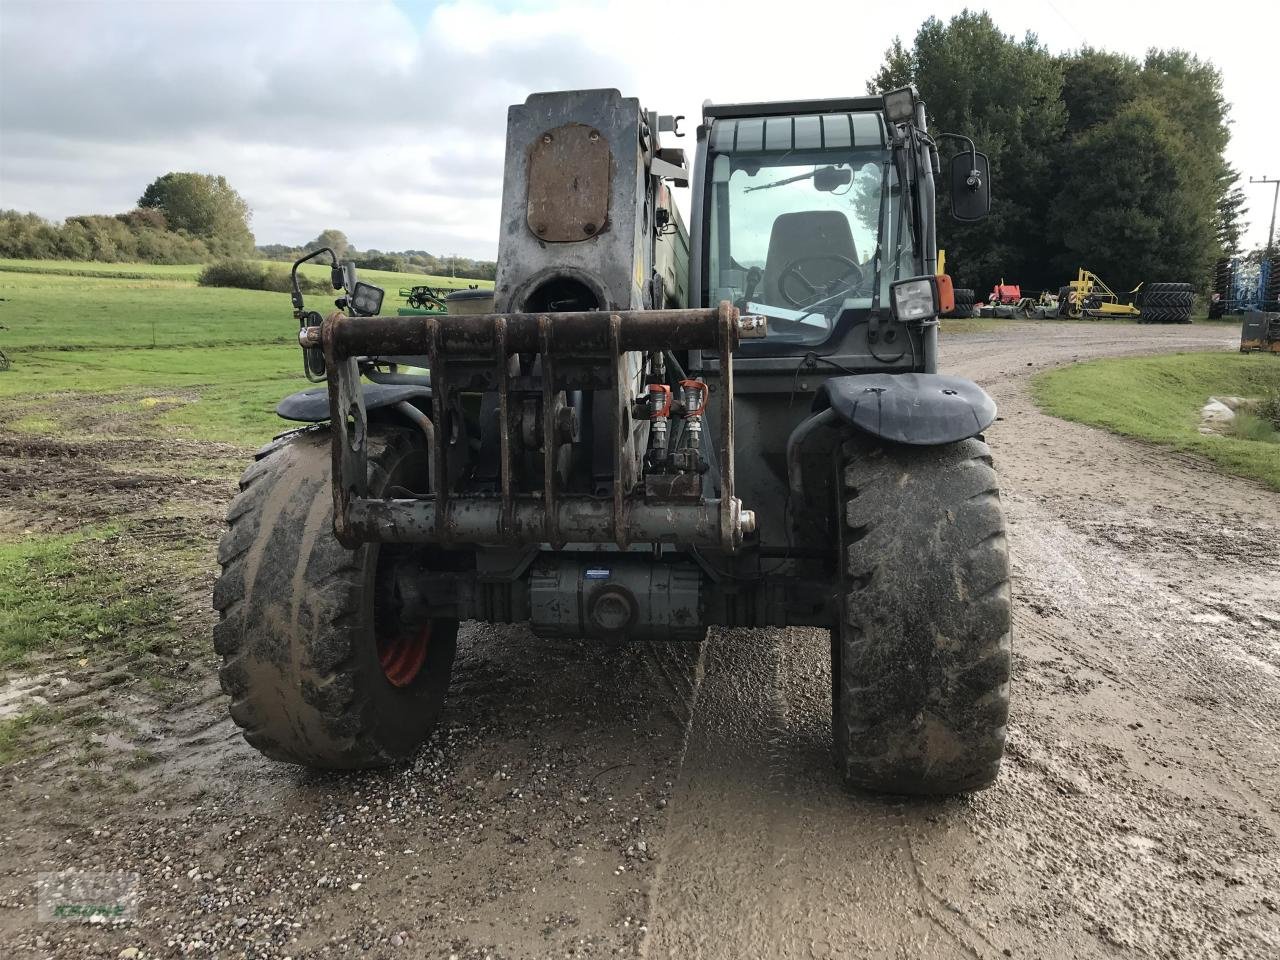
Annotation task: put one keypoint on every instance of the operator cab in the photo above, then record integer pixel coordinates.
(803, 218)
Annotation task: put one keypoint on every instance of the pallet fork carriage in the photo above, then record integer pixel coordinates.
(651, 430)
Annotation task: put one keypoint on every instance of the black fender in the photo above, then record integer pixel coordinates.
(312, 406)
(920, 409)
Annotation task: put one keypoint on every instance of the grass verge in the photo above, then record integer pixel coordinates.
(64, 590)
(1159, 399)
(224, 394)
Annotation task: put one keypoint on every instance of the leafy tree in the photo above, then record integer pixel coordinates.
(125, 237)
(1230, 223)
(1119, 213)
(899, 69)
(204, 206)
(1097, 158)
(1146, 193)
(1096, 85)
(1005, 94)
(335, 240)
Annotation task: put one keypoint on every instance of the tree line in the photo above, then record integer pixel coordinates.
(180, 218)
(1098, 160)
(195, 218)
(402, 261)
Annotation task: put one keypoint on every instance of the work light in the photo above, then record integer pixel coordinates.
(900, 105)
(914, 299)
(366, 299)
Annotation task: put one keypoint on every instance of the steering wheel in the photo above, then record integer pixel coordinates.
(793, 275)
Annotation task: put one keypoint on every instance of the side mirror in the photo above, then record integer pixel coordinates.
(336, 276)
(348, 276)
(970, 186)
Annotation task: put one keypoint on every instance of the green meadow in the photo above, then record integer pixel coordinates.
(206, 363)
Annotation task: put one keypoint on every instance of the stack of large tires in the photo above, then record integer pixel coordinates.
(964, 303)
(1222, 277)
(1166, 303)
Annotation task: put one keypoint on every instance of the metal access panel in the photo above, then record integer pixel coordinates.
(576, 200)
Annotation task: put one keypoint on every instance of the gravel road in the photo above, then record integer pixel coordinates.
(673, 802)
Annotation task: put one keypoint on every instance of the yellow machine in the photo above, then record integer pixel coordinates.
(1088, 296)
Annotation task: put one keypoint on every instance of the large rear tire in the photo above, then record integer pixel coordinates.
(319, 670)
(1166, 303)
(921, 649)
(964, 303)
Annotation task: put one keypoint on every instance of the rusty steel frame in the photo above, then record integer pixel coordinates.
(445, 516)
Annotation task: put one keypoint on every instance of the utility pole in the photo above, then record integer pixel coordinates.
(1272, 231)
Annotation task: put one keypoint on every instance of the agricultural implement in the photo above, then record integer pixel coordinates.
(657, 430)
(1088, 297)
(423, 300)
(1006, 302)
(1241, 285)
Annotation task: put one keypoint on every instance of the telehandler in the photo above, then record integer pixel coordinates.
(654, 430)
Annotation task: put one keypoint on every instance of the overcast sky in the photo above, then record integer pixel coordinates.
(386, 118)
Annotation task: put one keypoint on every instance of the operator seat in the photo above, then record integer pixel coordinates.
(806, 233)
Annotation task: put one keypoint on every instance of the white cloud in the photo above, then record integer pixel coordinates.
(386, 120)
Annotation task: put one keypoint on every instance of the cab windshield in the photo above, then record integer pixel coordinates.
(799, 236)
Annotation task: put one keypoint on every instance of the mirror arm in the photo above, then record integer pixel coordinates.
(973, 157)
(296, 293)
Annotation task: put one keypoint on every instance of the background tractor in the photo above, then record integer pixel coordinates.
(656, 430)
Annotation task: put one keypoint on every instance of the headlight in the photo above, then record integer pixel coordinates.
(914, 299)
(366, 299)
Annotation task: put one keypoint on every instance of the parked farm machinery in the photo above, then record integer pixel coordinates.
(1007, 301)
(425, 299)
(1087, 296)
(1243, 284)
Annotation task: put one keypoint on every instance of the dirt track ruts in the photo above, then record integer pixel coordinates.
(588, 802)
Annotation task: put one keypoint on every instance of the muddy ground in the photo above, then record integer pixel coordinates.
(672, 802)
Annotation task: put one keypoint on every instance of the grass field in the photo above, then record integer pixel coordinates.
(202, 362)
(1159, 399)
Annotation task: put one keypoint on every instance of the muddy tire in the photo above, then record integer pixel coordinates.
(921, 649)
(314, 676)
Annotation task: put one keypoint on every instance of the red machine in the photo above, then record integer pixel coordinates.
(1005, 293)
